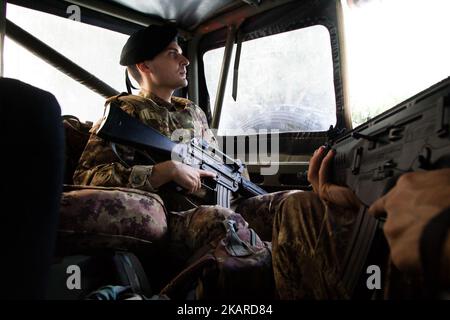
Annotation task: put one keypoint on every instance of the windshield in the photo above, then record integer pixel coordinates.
(285, 83)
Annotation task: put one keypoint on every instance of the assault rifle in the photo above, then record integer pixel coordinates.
(119, 127)
(412, 136)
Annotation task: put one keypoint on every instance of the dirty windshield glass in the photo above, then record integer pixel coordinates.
(285, 83)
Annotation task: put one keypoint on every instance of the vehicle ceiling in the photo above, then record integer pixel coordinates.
(186, 14)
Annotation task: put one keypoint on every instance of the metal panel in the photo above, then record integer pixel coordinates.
(187, 13)
(2, 32)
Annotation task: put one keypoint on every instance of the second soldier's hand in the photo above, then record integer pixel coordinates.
(410, 205)
(319, 177)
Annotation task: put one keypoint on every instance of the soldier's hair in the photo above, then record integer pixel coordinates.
(134, 72)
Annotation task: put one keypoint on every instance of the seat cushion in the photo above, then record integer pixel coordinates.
(98, 218)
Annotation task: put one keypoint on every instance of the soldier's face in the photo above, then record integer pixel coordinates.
(168, 68)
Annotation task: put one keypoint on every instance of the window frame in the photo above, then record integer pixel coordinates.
(286, 18)
(88, 16)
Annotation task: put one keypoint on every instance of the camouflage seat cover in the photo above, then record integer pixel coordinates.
(99, 218)
(76, 136)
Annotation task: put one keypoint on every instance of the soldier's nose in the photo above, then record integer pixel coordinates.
(185, 61)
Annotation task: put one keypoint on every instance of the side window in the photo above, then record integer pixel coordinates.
(95, 49)
(394, 49)
(285, 83)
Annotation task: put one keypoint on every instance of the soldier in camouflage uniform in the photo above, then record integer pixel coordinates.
(308, 238)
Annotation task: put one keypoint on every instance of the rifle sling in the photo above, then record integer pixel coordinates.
(120, 127)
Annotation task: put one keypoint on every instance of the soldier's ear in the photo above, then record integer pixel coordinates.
(145, 66)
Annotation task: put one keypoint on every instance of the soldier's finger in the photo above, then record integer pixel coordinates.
(315, 151)
(314, 164)
(193, 186)
(426, 179)
(378, 208)
(188, 188)
(199, 184)
(196, 181)
(325, 168)
(204, 173)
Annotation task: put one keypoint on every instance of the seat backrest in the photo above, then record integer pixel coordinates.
(31, 186)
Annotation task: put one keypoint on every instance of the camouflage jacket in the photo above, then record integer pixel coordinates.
(100, 166)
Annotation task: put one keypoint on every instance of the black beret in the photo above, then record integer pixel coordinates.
(146, 43)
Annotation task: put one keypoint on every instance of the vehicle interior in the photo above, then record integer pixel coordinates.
(283, 75)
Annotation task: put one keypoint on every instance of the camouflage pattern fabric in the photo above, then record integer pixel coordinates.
(76, 135)
(309, 242)
(220, 256)
(95, 218)
(99, 166)
(260, 211)
(309, 239)
(193, 229)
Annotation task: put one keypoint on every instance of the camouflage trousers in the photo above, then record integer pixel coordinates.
(308, 239)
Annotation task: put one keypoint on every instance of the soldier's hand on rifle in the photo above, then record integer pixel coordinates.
(318, 176)
(187, 177)
(409, 206)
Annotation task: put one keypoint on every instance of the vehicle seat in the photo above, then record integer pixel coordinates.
(32, 178)
(97, 218)
(95, 221)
